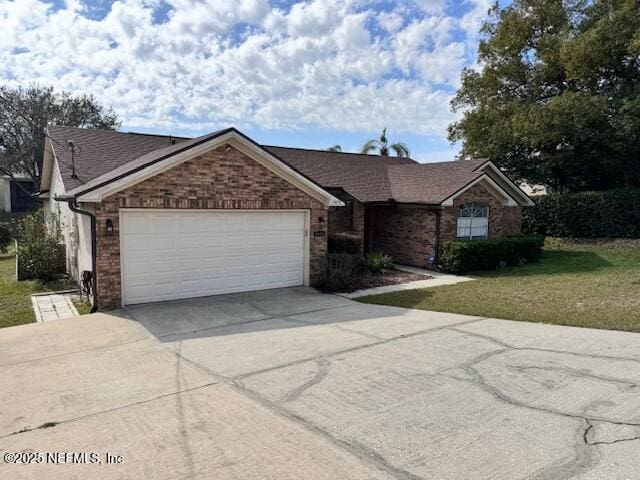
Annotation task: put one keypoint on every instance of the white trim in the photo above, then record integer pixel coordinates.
(47, 164)
(307, 233)
(258, 154)
(120, 252)
(508, 200)
(528, 202)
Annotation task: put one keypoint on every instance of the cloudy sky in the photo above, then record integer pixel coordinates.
(308, 74)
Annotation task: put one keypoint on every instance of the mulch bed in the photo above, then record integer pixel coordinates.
(389, 277)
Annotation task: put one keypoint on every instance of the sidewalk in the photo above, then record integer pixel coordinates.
(53, 306)
(438, 280)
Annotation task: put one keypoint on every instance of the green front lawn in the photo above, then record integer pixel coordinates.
(587, 284)
(15, 297)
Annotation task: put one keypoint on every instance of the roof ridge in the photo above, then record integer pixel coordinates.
(338, 153)
(106, 130)
(445, 162)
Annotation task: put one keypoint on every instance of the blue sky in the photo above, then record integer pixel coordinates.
(309, 74)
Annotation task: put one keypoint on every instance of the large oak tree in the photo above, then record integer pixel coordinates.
(556, 96)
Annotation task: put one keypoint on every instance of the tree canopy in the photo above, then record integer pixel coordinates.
(24, 116)
(556, 97)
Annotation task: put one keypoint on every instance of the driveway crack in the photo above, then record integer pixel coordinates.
(622, 384)
(591, 430)
(52, 424)
(536, 349)
(349, 350)
(322, 371)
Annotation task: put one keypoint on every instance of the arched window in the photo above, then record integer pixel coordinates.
(473, 221)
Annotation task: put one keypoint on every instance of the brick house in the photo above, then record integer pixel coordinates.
(152, 218)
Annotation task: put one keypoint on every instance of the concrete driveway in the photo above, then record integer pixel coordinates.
(291, 384)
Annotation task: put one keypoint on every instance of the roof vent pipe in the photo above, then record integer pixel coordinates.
(72, 147)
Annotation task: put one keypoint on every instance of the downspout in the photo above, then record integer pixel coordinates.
(437, 245)
(73, 206)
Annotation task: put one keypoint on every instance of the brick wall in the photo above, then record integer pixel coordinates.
(503, 220)
(347, 219)
(215, 180)
(406, 233)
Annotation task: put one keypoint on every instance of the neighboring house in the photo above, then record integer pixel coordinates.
(177, 218)
(16, 194)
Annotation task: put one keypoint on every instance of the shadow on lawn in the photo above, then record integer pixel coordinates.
(554, 262)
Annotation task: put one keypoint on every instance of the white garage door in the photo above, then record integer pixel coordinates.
(171, 254)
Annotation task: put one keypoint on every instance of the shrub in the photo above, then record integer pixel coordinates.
(461, 256)
(342, 269)
(40, 252)
(377, 263)
(614, 213)
(345, 243)
(5, 237)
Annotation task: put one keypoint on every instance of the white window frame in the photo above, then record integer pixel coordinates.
(472, 227)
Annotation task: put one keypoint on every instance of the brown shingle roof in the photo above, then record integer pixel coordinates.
(103, 156)
(431, 182)
(143, 161)
(363, 176)
(99, 151)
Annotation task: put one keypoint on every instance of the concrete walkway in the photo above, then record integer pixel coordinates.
(438, 279)
(53, 306)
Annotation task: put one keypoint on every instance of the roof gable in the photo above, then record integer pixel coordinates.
(160, 160)
(431, 183)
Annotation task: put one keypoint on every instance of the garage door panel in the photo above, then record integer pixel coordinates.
(171, 254)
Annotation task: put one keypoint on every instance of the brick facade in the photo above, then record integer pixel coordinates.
(503, 220)
(218, 179)
(409, 234)
(347, 219)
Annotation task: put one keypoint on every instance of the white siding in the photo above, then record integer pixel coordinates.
(75, 228)
(84, 243)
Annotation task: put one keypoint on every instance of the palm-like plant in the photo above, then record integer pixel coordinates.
(335, 148)
(382, 146)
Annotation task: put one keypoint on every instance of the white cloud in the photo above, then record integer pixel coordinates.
(432, 6)
(390, 21)
(211, 63)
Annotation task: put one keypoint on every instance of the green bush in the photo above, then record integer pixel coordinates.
(342, 269)
(461, 256)
(377, 263)
(5, 237)
(614, 214)
(41, 254)
(345, 243)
